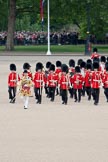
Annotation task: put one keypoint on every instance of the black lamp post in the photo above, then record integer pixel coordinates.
(88, 44)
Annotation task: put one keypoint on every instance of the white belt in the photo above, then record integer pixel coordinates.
(96, 80)
(13, 80)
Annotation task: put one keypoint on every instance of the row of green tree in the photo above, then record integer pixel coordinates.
(25, 15)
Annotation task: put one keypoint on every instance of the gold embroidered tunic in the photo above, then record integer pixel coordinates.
(25, 85)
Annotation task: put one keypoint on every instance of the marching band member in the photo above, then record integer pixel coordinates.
(79, 62)
(96, 82)
(105, 83)
(52, 82)
(64, 84)
(27, 66)
(71, 73)
(102, 64)
(77, 80)
(25, 85)
(12, 83)
(89, 61)
(46, 76)
(58, 71)
(83, 70)
(38, 82)
(88, 75)
(95, 54)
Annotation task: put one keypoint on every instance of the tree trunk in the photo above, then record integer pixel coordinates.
(11, 25)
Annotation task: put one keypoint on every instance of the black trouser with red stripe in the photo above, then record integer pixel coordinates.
(38, 94)
(64, 95)
(77, 94)
(95, 94)
(71, 91)
(12, 93)
(88, 91)
(106, 93)
(52, 93)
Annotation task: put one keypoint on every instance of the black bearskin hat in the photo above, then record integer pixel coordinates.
(25, 71)
(95, 49)
(96, 59)
(106, 64)
(13, 67)
(103, 59)
(83, 64)
(64, 68)
(96, 65)
(89, 66)
(48, 64)
(79, 62)
(52, 67)
(39, 66)
(77, 69)
(58, 63)
(26, 65)
(107, 68)
(89, 61)
(71, 63)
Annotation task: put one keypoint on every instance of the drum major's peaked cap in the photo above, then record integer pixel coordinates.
(26, 65)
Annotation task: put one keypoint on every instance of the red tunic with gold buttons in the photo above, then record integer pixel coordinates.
(105, 80)
(12, 79)
(38, 79)
(64, 81)
(87, 79)
(52, 80)
(77, 81)
(96, 79)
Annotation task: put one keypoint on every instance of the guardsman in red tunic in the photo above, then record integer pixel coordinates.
(105, 83)
(102, 65)
(77, 80)
(71, 73)
(52, 81)
(58, 71)
(83, 70)
(96, 82)
(12, 83)
(46, 76)
(95, 54)
(38, 82)
(87, 78)
(64, 84)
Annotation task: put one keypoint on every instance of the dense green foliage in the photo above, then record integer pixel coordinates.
(63, 12)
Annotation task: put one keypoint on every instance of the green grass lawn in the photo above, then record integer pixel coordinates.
(56, 48)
